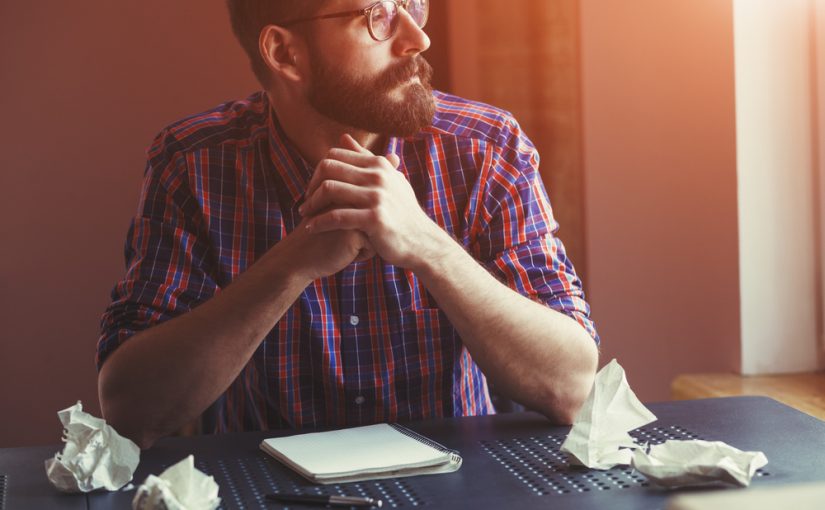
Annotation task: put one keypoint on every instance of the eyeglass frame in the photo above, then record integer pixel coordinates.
(367, 13)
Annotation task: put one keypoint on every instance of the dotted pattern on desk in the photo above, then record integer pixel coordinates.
(540, 465)
(245, 481)
(4, 479)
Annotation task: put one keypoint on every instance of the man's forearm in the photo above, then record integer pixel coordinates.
(169, 374)
(532, 353)
(166, 376)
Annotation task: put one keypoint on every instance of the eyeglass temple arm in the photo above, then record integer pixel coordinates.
(359, 12)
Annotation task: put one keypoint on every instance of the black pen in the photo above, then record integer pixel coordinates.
(347, 501)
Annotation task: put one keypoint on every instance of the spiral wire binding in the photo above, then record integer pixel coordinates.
(455, 456)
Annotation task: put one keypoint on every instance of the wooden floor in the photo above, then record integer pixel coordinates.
(805, 392)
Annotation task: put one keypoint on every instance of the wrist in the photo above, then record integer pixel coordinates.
(282, 263)
(435, 253)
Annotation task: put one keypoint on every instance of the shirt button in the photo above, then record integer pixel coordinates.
(354, 320)
(359, 400)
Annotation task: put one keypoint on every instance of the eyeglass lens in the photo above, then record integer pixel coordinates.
(384, 17)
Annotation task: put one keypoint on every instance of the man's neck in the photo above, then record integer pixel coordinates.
(314, 134)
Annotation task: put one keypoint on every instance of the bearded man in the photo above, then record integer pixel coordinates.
(345, 247)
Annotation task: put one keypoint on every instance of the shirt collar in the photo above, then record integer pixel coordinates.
(294, 170)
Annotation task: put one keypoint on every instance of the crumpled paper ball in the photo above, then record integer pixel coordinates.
(95, 455)
(179, 487)
(690, 463)
(599, 438)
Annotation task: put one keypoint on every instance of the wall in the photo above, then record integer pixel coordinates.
(660, 186)
(86, 86)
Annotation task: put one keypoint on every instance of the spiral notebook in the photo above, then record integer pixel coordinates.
(356, 454)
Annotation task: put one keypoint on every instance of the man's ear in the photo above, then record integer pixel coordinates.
(280, 50)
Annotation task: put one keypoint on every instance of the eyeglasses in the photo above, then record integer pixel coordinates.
(382, 17)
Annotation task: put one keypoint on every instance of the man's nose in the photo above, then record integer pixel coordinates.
(410, 39)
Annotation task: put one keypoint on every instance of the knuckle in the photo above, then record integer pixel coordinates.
(375, 197)
(376, 178)
(336, 216)
(325, 165)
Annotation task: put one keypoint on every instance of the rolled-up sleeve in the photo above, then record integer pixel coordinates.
(168, 258)
(514, 229)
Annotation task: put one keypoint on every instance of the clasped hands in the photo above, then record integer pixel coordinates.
(356, 192)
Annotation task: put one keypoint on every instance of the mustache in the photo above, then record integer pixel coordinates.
(405, 71)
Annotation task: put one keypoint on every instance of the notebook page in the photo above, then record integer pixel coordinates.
(352, 450)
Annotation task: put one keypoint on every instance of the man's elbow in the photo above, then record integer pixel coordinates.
(127, 428)
(564, 409)
(569, 397)
(118, 411)
(565, 412)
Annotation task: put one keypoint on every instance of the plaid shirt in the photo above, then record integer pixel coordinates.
(367, 344)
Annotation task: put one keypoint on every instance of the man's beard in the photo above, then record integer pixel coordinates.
(368, 104)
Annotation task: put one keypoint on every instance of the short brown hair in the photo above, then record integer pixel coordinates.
(249, 17)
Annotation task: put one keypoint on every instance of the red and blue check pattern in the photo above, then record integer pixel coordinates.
(365, 345)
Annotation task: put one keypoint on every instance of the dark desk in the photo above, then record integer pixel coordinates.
(510, 461)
